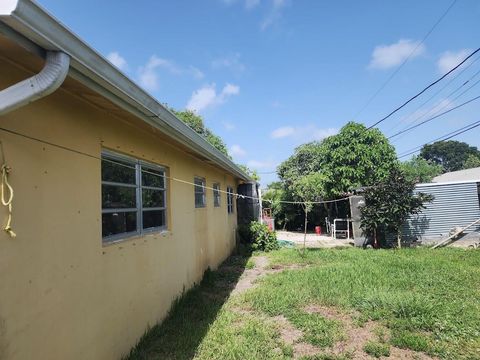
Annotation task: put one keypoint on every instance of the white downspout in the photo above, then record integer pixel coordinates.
(42, 84)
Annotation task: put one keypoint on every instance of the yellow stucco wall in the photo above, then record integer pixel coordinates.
(62, 294)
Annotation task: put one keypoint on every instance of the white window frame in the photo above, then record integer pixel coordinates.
(230, 202)
(139, 166)
(217, 199)
(203, 192)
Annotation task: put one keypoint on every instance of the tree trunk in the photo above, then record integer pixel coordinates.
(399, 238)
(375, 243)
(305, 232)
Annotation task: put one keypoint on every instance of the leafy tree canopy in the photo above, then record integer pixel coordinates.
(354, 157)
(472, 162)
(419, 170)
(195, 121)
(452, 155)
(389, 204)
(252, 173)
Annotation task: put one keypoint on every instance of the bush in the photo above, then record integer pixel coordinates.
(263, 238)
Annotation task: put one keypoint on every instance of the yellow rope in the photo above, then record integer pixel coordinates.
(5, 171)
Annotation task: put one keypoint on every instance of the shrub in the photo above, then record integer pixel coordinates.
(263, 238)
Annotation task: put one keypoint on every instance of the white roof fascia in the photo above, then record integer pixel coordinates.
(89, 67)
(447, 183)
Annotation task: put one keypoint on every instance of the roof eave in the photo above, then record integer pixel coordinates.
(93, 70)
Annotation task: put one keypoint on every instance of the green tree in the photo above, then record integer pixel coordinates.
(252, 173)
(472, 161)
(419, 170)
(306, 159)
(308, 189)
(276, 198)
(354, 157)
(452, 155)
(195, 122)
(389, 204)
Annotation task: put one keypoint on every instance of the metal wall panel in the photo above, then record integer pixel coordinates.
(455, 204)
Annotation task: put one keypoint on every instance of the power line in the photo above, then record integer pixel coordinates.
(434, 117)
(425, 89)
(443, 138)
(439, 91)
(438, 114)
(405, 61)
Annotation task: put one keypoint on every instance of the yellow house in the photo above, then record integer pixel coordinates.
(109, 226)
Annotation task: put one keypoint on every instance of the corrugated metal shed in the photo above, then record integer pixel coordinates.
(455, 204)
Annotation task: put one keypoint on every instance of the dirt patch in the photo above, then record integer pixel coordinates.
(249, 276)
(288, 333)
(305, 349)
(357, 336)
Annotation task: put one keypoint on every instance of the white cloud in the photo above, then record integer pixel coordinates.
(261, 164)
(148, 74)
(303, 133)
(387, 56)
(274, 14)
(230, 89)
(237, 150)
(231, 62)
(250, 4)
(437, 108)
(116, 59)
(450, 59)
(196, 73)
(282, 132)
(207, 96)
(228, 125)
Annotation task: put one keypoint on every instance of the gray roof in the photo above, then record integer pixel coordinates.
(472, 174)
(27, 23)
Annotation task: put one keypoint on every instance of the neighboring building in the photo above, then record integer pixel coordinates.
(472, 174)
(107, 235)
(455, 204)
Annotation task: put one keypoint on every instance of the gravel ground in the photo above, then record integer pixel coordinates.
(313, 240)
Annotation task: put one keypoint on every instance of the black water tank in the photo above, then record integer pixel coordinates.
(248, 209)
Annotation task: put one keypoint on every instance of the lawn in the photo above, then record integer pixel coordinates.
(329, 304)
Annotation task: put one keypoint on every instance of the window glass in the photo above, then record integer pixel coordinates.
(153, 178)
(118, 197)
(118, 223)
(216, 195)
(230, 205)
(153, 198)
(200, 192)
(153, 219)
(118, 171)
(130, 184)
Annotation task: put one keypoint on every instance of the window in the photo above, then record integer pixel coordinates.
(200, 195)
(133, 197)
(216, 195)
(230, 207)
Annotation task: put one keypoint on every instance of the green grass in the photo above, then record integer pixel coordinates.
(425, 300)
(430, 299)
(376, 349)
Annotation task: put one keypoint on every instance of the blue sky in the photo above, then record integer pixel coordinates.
(269, 75)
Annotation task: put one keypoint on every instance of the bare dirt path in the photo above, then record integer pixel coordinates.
(313, 240)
